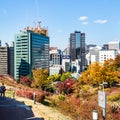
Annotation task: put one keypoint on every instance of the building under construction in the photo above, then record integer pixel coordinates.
(31, 50)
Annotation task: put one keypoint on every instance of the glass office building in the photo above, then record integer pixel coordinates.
(77, 48)
(31, 51)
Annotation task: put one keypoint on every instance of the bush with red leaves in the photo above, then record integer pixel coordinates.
(66, 86)
(25, 81)
(40, 96)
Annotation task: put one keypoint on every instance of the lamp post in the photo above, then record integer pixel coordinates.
(102, 100)
(104, 83)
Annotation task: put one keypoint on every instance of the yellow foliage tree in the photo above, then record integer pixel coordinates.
(98, 73)
(40, 76)
(92, 75)
(110, 71)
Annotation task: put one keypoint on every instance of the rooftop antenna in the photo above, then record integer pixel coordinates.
(37, 9)
(39, 24)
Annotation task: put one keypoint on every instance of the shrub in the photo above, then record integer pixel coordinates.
(53, 103)
(85, 87)
(114, 97)
(29, 95)
(66, 86)
(25, 93)
(25, 81)
(61, 97)
(40, 96)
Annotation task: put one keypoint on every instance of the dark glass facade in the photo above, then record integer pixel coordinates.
(31, 52)
(77, 48)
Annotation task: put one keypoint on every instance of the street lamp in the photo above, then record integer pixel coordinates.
(103, 84)
(102, 99)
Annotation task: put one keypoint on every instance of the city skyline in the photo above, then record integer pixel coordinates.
(99, 20)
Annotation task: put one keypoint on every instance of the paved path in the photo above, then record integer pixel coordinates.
(40, 110)
(11, 109)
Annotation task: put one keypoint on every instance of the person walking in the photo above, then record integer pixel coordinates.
(3, 89)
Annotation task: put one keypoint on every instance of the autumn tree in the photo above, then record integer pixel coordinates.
(55, 77)
(108, 71)
(51, 86)
(92, 75)
(117, 61)
(117, 64)
(98, 73)
(112, 70)
(66, 86)
(40, 77)
(65, 76)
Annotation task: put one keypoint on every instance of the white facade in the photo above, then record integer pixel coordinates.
(93, 54)
(55, 57)
(106, 55)
(66, 64)
(115, 45)
(55, 69)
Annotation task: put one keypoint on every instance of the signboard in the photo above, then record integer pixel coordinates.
(102, 99)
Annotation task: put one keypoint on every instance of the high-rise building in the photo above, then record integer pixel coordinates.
(0, 43)
(77, 48)
(31, 50)
(11, 61)
(3, 60)
(7, 60)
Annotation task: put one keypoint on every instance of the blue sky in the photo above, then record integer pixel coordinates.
(98, 19)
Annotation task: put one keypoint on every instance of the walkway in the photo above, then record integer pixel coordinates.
(11, 109)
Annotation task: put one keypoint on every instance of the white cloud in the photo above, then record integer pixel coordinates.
(85, 23)
(83, 18)
(100, 21)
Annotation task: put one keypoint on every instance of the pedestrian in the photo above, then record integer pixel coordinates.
(34, 97)
(2, 89)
